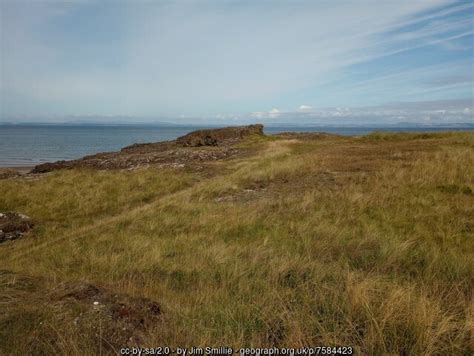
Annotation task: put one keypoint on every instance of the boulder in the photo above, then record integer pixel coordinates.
(14, 225)
(215, 137)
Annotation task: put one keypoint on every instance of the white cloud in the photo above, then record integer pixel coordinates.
(274, 113)
(210, 55)
(258, 114)
(440, 111)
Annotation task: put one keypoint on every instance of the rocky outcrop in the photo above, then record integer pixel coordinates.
(215, 137)
(50, 166)
(190, 150)
(13, 226)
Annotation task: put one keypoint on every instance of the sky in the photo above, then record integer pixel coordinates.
(237, 61)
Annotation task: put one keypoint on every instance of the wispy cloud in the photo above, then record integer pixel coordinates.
(201, 59)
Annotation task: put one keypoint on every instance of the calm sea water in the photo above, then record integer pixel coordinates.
(26, 145)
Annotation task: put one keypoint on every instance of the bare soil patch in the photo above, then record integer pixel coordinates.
(113, 320)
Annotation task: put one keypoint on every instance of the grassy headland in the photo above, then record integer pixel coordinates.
(326, 240)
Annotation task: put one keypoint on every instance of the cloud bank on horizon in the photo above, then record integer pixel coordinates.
(238, 61)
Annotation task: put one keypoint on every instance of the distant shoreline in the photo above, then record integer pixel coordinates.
(272, 126)
(24, 146)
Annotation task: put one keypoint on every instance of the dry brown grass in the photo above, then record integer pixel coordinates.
(363, 241)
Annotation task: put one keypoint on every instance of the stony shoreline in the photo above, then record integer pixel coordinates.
(190, 150)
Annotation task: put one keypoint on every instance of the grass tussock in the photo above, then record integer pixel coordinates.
(359, 241)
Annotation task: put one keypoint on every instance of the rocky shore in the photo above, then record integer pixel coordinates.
(189, 150)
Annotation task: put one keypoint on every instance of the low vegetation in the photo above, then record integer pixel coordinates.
(307, 240)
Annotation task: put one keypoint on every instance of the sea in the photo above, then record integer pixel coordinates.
(28, 145)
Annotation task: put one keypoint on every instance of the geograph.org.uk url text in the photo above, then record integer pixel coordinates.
(244, 351)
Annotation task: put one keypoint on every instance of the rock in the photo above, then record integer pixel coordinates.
(14, 225)
(214, 137)
(50, 166)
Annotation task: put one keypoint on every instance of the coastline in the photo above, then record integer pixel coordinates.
(29, 145)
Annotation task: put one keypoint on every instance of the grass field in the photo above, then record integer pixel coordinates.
(359, 241)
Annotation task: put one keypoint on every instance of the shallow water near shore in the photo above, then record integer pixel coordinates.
(28, 145)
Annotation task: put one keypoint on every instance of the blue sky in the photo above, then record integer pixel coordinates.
(237, 61)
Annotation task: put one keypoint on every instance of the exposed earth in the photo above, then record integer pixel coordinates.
(117, 319)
